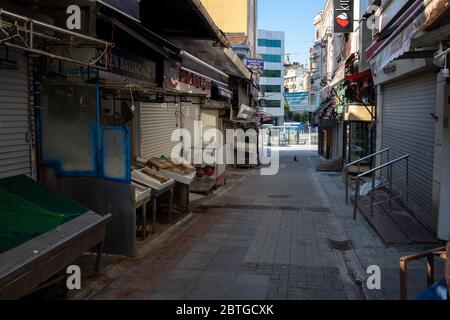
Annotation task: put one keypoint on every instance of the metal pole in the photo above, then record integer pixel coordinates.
(355, 208)
(372, 194)
(390, 188)
(346, 185)
(407, 183)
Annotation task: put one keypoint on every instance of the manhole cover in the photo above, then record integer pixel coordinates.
(280, 196)
(341, 245)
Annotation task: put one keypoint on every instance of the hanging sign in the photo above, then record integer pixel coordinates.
(256, 65)
(298, 101)
(343, 16)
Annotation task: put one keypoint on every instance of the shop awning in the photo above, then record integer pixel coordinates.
(223, 90)
(264, 116)
(325, 104)
(360, 76)
(420, 15)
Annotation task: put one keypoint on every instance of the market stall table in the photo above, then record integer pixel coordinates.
(183, 174)
(149, 178)
(143, 196)
(41, 233)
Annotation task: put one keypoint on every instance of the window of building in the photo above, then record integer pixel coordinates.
(269, 43)
(273, 104)
(270, 88)
(272, 73)
(271, 57)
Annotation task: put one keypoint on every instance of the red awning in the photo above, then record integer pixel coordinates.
(373, 48)
(360, 76)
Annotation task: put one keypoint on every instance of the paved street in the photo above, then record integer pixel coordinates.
(288, 236)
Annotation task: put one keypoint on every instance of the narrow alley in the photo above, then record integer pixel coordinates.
(288, 236)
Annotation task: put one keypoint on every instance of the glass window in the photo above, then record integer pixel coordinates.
(270, 88)
(269, 43)
(271, 57)
(272, 73)
(273, 104)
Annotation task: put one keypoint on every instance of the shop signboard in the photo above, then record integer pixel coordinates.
(133, 66)
(343, 16)
(180, 79)
(256, 65)
(130, 8)
(298, 101)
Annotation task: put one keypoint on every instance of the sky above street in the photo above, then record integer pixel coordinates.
(295, 18)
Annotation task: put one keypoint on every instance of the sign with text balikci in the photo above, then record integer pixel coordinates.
(343, 16)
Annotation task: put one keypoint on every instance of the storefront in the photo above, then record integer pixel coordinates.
(410, 101)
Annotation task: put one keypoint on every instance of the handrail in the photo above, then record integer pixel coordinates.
(359, 167)
(387, 164)
(368, 157)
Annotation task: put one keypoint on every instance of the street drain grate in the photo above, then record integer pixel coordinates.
(345, 245)
(204, 208)
(280, 196)
(317, 209)
(285, 208)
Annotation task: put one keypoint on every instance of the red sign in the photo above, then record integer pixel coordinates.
(194, 80)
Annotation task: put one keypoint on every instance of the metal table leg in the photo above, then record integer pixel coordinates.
(171, 204)
(144, 223)
(154, 214)
(98, 259)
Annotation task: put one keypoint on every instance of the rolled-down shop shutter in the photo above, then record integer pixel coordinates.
(209, 119)
(158, 121)
(408, 128)
(191, 113)
(15, 150)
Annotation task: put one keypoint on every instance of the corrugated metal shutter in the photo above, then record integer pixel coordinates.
(209, 118)
(158, 121)
(191, 113)
(15, 150)
(408, 128)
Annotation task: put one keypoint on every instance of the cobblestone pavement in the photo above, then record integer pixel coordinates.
(288, 236)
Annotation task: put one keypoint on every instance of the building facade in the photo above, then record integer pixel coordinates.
(296, 77)
(408, 59)
(238, 20)
(271, 48)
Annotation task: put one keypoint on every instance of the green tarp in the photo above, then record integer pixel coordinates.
(28, 210)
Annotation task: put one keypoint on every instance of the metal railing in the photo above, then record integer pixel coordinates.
(358, 162)
(389, 185)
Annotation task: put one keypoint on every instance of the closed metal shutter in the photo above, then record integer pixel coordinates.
(15, 150)
(191, 113)
(158, 121)
(408, 128)
(209, 119)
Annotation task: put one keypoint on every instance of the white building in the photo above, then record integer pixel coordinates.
(297, 78)
(271, 46)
